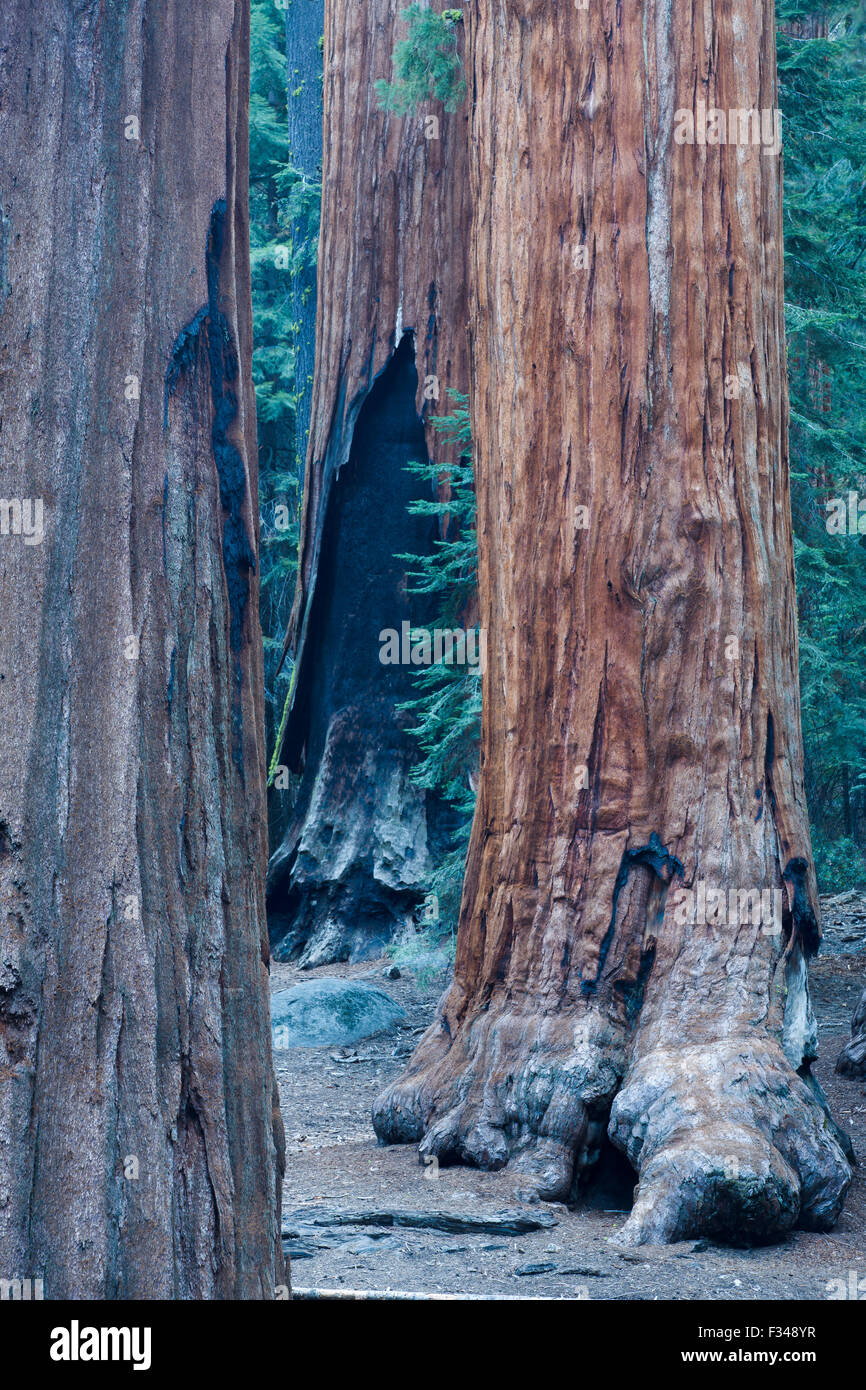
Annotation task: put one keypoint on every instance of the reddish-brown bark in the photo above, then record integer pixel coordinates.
(641, 727)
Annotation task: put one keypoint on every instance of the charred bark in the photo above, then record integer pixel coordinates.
(641, 729)
(391, 341)
(351, 867)
(140, 1137)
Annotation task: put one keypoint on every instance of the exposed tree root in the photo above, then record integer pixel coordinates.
(476, 1103)
(729, 1142)
(727, 1139)
(852, 1059)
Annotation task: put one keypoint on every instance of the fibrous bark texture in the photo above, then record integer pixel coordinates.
(391, 342)
(140, 1139)
(852, 1059)
(641, 729)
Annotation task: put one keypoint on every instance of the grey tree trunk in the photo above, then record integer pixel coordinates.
(140, 1138)
(852, 1059)
(391, 341)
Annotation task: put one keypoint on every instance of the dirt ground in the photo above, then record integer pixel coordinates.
(334, 1163)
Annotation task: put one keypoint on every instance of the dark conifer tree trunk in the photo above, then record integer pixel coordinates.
(391, 341)
(140, 1137)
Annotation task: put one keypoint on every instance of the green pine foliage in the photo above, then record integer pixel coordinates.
(427, 63)
(447, 709)
(823, 101)
(281, 201)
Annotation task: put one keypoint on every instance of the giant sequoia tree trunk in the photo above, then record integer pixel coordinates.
(140, 1139)
(641, 732)
(391, 318)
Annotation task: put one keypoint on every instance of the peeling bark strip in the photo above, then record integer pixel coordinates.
(140, 1138)
(641, 716)
(391, 272)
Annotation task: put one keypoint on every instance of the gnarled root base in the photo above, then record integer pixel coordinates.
(727, 1139)
(729, 1142)
(515, 1088)
(852, 1058)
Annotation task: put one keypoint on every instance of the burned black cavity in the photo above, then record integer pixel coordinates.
(664, 865)
(209, 327)
(344, 691)
(796, 874)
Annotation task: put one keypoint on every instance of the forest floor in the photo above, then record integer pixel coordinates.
(336, 1168)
